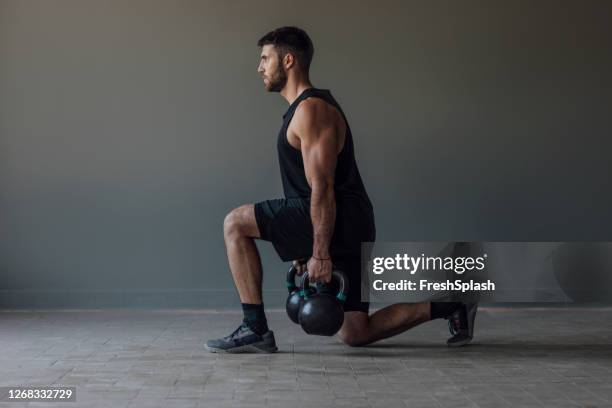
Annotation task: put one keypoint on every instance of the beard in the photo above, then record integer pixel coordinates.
(277, 81)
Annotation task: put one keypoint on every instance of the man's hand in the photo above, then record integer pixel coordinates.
(300, 266)
(319, 270)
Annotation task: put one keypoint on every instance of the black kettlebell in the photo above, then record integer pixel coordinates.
(296, 295)
(322, 313)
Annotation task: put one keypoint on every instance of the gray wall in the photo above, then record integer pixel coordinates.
(128, 129)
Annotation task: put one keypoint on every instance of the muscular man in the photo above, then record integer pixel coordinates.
(324, 217)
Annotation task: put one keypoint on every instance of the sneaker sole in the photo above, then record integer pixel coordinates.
(460, 343)
(247, 348)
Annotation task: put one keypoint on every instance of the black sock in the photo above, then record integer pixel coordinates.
(255, 318)
(441, 310)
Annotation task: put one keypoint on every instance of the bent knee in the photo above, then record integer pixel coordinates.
(355, 331)
(231, 223)
(240, 222)
(352, 338)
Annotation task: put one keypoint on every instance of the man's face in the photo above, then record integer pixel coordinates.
(271, 69)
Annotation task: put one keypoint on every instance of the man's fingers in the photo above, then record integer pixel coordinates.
(299, 266)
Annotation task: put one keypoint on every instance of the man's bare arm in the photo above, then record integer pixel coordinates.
(315, 125)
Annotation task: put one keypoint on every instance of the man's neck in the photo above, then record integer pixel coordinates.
(293, 89)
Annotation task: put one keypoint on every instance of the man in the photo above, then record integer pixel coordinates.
(324, 217)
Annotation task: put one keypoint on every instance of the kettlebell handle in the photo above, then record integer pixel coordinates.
(338, 276)
(290, 282)
(343, 284)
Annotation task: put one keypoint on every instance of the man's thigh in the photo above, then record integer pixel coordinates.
(286, 224)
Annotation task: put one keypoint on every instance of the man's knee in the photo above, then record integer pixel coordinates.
(240, 222)
(230, 224)
(351, 338)
(355, 329)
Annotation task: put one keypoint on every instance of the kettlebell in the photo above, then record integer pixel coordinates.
(296, 295)
(322, 313)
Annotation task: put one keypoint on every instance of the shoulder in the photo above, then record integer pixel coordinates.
(315, 112)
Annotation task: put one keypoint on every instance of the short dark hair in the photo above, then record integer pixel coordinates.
(290, 39)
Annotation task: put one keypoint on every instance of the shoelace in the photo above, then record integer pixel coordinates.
(240, 328)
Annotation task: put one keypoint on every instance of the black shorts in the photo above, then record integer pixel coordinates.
(286, 223)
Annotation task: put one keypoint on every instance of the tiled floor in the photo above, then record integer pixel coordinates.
(521, 358)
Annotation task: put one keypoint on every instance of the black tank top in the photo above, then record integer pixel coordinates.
(348, 185)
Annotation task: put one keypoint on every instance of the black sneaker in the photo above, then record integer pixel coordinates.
(243, 340)
(461, 325)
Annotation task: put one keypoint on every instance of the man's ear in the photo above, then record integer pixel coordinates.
(288, 60)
